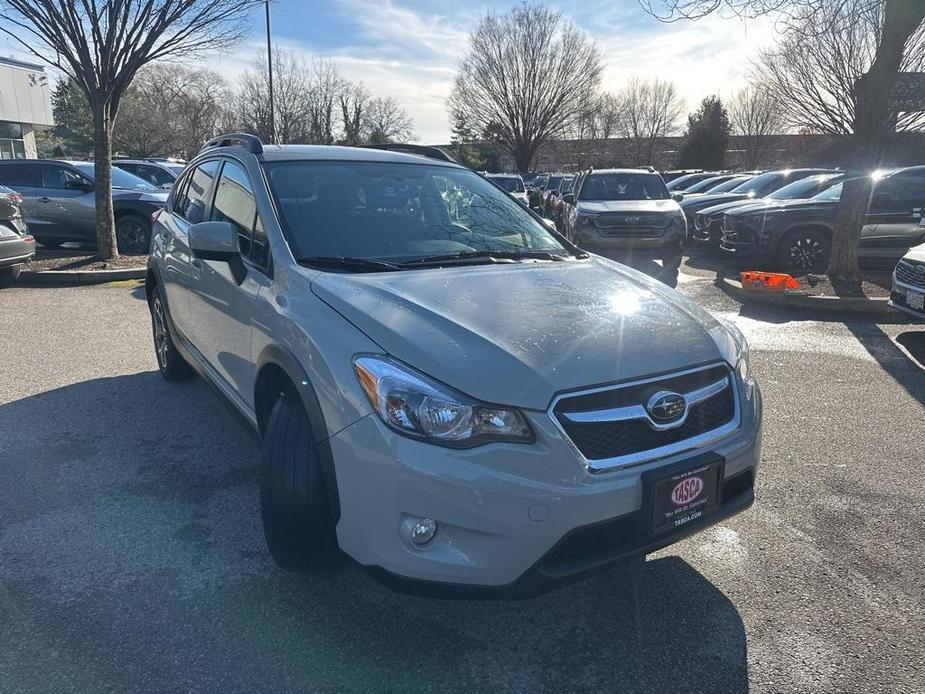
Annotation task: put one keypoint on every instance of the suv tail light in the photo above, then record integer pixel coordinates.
(15, 198)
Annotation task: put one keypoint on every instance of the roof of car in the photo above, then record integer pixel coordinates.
(611, 171)
(339, 153)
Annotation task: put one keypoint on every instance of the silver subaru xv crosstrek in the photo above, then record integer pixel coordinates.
(447, 392)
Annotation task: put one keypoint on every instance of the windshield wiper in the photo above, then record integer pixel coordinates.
(348, 263)
(464, 257)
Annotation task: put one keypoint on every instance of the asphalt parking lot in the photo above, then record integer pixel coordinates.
(132, 556)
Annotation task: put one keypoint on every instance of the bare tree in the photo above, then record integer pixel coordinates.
(894, 34)
(292, 91)
(527, 75)
(353, 100)
(325, 87)
(386, 121)
(819, 57)
(102, 44)
(650, 111)
(756, 117)
(170, 109)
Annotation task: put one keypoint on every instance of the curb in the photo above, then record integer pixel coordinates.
(68, 277)
(875, 307)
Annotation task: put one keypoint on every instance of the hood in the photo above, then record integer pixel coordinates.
(596, 207)
(733, 206)
(784, 206)
(702, 201)
(517, 333)
(916, 253)
(158, 197)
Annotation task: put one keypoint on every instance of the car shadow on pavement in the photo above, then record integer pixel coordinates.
(131, 546)
(908, 370)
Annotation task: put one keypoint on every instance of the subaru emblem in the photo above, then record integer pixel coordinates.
(666, 406)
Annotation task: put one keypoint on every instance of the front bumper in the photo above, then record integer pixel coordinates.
(515, 520)
(898, 298)
(667, 244)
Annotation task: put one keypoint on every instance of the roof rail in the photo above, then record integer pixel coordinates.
(420, 150)
(249, 142)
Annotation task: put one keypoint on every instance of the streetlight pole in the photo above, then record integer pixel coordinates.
(270, 75)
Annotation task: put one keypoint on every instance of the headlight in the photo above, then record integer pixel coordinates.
(585, 218)
(742, 366)
(417, 406)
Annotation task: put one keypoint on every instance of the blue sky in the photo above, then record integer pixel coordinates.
(409, 49)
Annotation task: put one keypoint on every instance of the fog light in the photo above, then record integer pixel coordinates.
(423, 531)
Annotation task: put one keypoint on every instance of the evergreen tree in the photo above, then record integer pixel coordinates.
(707, 136)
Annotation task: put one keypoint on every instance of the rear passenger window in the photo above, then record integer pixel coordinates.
(191, 201)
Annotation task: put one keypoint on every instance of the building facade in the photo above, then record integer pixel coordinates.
(25, 105)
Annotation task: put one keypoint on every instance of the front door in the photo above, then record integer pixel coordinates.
(221, 310)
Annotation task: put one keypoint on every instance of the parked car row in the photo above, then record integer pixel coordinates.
(58, 202)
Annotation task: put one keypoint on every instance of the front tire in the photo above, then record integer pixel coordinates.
(170, 362)
(297, 519)
(804, 250)
(133, 234)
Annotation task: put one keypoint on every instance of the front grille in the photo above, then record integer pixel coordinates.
(729, 223)
(633, 225)
(629, 440)
(907, 274)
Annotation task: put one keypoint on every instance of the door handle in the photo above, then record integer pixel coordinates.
(44, 199)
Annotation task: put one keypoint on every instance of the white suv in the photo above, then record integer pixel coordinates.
(447, 391)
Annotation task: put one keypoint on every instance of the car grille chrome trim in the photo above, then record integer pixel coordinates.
(623, 414)
(907, 274)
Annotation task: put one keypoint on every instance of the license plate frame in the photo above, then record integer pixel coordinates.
(662, 514)
(915, 299)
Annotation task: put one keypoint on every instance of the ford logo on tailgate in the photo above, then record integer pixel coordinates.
(666, 406)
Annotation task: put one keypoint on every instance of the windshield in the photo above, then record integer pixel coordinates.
(554, 182)
(804, 188)
(760, 185)
(121, 180)
(512, 184)
(376, 211)
(568, 184)
(731, 184)
(623, 186)
(706, 184)
(176, 168)
(833, 193)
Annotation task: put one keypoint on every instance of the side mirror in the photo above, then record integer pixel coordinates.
(569, 198)
(677, 197)
(83, 186)
(217, 241)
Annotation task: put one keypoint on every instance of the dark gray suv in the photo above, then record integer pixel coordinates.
(59, 202)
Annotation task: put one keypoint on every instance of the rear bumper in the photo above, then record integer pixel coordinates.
(16, 251)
